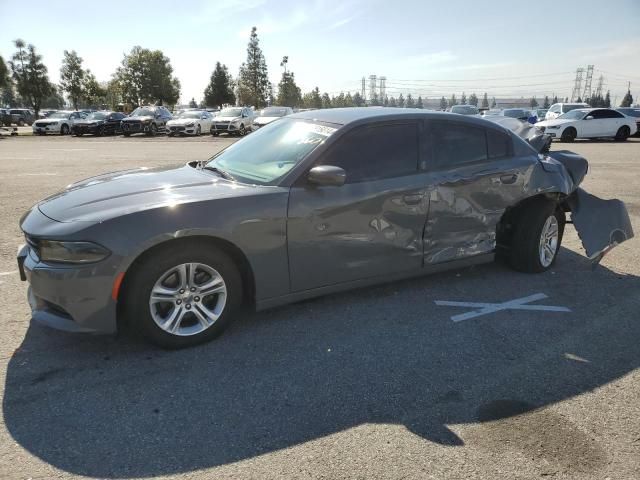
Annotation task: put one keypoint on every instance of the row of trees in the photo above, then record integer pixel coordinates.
(146, 77)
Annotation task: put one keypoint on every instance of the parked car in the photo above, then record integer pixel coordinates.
(519, 113)
(315, 203)
(269, 114)
(99, 123)
(590, 123)
(5, 117)
(59, 123)
(22, 116)
(147, 120)
(190, 122)
(492, 112)
(465, 110)
(45, 113)
(633, 112)
(233, 120)
(540, 114)
(558, 109)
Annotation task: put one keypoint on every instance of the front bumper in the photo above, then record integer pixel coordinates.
(44, 129)
(182, 130)
(69, 298)
(135, 127)
(86, 129)
(224, 127)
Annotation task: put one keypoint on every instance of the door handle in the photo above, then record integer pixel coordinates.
(509, 178)
(412, 199)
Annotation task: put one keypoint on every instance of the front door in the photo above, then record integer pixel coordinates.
(373, 224)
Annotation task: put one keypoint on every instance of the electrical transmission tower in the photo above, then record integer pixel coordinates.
(373, 87)
(577, 85)
(363, 93)
(383, 88)
(599, 87)
(587, 83)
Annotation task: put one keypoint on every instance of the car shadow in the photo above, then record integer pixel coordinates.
(107, 407)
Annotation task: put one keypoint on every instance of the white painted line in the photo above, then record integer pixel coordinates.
(42, 174)
(12, 272)
(487, 308)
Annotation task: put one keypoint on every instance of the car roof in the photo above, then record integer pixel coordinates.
(345, 116)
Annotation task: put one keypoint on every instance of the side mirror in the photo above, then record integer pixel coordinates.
(589, 117)
(327, 175)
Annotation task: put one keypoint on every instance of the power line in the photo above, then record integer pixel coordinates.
(482, 79)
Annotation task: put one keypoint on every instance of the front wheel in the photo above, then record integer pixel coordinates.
(179, 297)
(242, 132)
(623, 133)
(198, 131)
(153, 130)
(569, 135)
(64, 130)
(537, 236)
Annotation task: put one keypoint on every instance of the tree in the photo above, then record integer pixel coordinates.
(473, 99)
(374, 101)
(54, 101)
(546, 102)
(5, 80)
(348, 100)
(289, 94)
(533, 103)
(443, 103)
(400, 101)
(419, 103)
(30, 75)
(463, 99)
(607, 100)
(493, 102)
(579, 100)
(627, 100)
(555, 99)
(326, 100)
(145, 76)
(393, 102)
(410, 103)
(253, 79)
(72, 77)
(485, 101)
(453, 100)
(94, 94)
(358, 101)
(220, 89)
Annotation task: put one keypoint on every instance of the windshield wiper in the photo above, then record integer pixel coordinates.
(222, 173)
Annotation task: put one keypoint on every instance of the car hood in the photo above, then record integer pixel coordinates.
(139, 119)
(182, 121)
(114, 194)
(88, 122)
(265, 120)
(555, 122)
(227, 119)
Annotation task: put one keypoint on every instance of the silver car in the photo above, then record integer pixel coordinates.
(314, 203)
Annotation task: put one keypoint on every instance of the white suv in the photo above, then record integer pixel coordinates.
(558, 109)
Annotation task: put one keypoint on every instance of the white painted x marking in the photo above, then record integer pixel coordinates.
(486, 308)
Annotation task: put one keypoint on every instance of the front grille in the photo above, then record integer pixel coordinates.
(177, 128)
(222, 126)
(43, 124)
(132, 126)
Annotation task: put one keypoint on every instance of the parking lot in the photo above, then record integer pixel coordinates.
(374, 383)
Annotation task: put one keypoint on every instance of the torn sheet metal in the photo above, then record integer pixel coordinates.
(528, 132)
(601, 224)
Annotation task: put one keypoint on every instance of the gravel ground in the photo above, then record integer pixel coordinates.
(375, 383)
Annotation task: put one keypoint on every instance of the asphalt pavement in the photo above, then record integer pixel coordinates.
(375, 383)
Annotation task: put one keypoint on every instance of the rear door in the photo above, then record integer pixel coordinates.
(473, 178)
(373, 224)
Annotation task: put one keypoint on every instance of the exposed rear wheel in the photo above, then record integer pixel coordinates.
(623, 133)
(569, 135)
(179, 297)
(537, 236)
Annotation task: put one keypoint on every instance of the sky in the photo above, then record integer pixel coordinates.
(428, 48)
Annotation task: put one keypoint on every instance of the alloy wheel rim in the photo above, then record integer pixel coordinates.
(549, 241)
(188, 299)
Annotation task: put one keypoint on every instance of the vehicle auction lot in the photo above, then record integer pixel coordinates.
(374, 383)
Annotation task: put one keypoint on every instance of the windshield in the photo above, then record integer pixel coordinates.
(231, 112)
(568, 107)
(573, 115)
(142, 112)
(269, 153)
(464, 109)
(97, 116)
(190, 115)
(59, 115)
(515, 113)
(273, 112)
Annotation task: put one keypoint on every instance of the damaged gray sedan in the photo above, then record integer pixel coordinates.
(314, 203)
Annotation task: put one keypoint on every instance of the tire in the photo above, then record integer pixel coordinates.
(242, 132)
(198, 131)
(622, 134)
(78, 134)
(140, 311)
(153, 130)
(100, 132)
(215, 134)
(126, 134)
(170, 134)
(569, 135)
(64, 129)
(526, 250)
(21, 123)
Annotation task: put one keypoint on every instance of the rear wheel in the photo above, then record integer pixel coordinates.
(64, 129)
(21, 123)
(537, 236)
(623, 133)
(569, 135)
(179, 297)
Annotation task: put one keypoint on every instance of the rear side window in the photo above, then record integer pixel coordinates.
(376, 152)
(456, 144)
(497, 144)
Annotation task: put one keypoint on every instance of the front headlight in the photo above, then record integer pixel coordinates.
(554, 126)
(54, 123)
(70, 252)
(192, 124)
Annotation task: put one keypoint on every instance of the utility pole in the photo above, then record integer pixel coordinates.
(373, 80)
(577, 84)
(363, 92)
(383, 88)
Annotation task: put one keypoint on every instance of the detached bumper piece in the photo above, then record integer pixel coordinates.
(601, 224)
